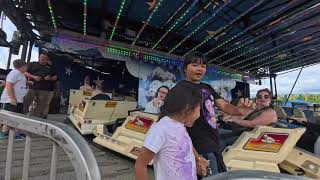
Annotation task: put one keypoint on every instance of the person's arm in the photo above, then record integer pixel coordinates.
(202, 163)
(265, 119)
(10, 90)
(228, 108)
(30, 76)
(141, 166)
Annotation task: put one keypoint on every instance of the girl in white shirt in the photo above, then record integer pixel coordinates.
(168, 143)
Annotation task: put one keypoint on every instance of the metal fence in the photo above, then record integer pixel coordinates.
(76, 148)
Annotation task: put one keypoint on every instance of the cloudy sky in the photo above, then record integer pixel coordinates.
(309, 81)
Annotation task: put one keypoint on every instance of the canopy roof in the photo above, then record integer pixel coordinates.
(254, 36)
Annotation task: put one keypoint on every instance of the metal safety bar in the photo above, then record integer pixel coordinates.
(76, 148)
(254, 175)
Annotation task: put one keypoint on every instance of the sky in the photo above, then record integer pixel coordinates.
(9, 28)
(309, 81)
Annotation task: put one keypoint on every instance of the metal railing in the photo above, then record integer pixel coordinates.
(76, 148)
(254, 175)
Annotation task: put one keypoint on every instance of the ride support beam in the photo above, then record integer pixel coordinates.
(271, 85)
(275, 86)
(9, 59)
(24, 50)
(30, 51)
(295, 82)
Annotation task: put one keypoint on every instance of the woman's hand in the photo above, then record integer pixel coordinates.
(227, 118)
(202, 166)
(157, 102)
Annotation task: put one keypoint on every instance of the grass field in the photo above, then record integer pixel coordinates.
(312, 98)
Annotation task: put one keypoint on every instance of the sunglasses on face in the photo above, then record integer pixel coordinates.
(264, 97)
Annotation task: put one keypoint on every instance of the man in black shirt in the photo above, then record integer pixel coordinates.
(42, 89)
(204, 133)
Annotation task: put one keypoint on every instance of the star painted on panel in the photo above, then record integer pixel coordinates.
(239, 93)
(68, 71)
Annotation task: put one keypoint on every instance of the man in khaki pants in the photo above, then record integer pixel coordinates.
(41, 91)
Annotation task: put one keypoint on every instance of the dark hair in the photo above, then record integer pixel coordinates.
(18, 63)
(166, 87)
(45, 53)
(194, 58)
(264, 90)
(178, 100)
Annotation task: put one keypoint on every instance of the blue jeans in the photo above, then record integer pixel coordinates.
(213, 166)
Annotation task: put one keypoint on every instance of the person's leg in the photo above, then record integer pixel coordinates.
(43, 103)
(5, 129)
(20, 108)
(47, 107)
(36, 107)
(317, 146)
(28, 99)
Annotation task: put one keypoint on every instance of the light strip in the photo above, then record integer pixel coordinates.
(198, 28)
(131, 53)
(305, 64)
(147, 21)
(305, 61)
(277, 59)
(290, 60)
(117, 19)
(273, 15)
(53, 20)
(195, 16)
(225, 27)
(85, 10)
(274, 56)
(248, 41)
(256, 48)
(277, 47)
(174, 24)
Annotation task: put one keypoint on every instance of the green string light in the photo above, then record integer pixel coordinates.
(198, 28)
(297, 62)
(277, 47)
(274, 14)
(147, 57)
(255, 49)
(290, 60)
(117, 19)
(173, 26)
(147, 22)
(85, 10)
(209, 37)
(273, 56)
(53, 20)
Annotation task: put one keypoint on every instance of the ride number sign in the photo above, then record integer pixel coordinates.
(267, 142)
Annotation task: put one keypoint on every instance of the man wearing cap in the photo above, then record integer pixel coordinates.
(41, 90)
(14, 91)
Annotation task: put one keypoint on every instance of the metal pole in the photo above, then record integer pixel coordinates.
(30, 51)
(26, 159)
(9, 154)
(24, 50)
(275, 86)
(53, 169)
(271, 85)
(9, 59)
(294, 85)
